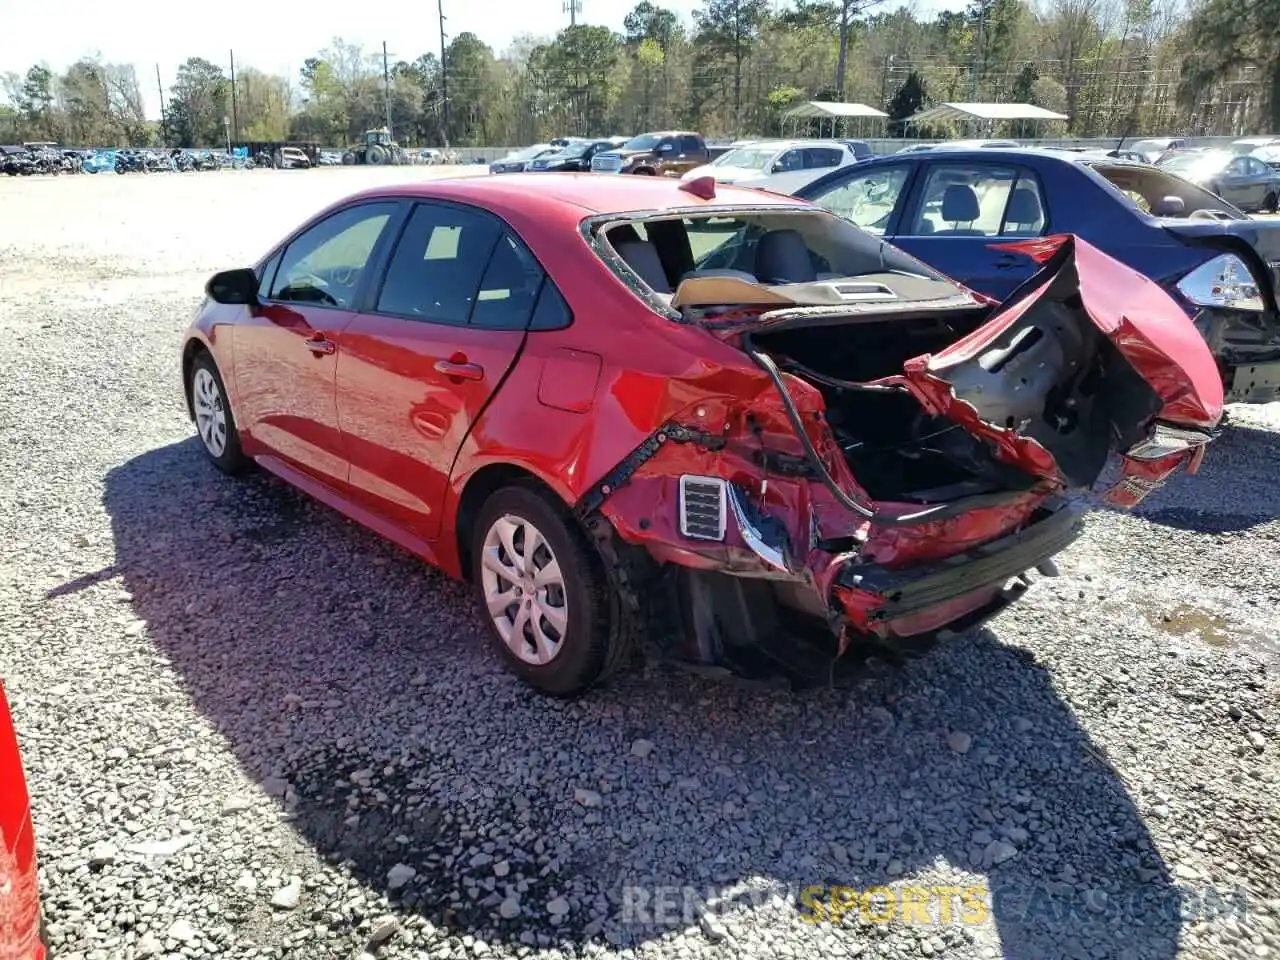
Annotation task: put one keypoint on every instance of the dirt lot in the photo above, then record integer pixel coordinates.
(252, 729)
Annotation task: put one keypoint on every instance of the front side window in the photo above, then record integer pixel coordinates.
(868, 198)
(324, 265)
(978, 200)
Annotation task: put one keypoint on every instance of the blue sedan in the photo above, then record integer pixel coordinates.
(975, 215)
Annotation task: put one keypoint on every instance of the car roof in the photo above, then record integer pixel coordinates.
(591, 193)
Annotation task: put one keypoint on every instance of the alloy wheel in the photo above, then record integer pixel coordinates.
(524, 590)
(211, 412)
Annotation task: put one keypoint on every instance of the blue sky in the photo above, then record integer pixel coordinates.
(276, 36)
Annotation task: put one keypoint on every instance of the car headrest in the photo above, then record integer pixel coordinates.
(1170, 206)
(1024, 207)
(960, 203)
(642, 257)
(783, 257)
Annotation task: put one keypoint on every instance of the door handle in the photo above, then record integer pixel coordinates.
(1007, 262)
(458, 368)
(318, 344)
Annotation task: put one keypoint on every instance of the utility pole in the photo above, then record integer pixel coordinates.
(386, 87)
(444, 77)
(164, 123)
(572, 8)
(235, 120)
(884, 80)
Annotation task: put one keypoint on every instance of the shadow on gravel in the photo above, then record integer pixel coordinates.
(353, 685)
(1235, 490)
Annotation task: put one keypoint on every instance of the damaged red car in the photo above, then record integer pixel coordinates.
(539, 388)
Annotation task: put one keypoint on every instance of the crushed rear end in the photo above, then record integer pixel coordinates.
(900, 462)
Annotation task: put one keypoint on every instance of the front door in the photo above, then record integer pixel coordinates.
(286, 351)
(962, 214)
(416, 369)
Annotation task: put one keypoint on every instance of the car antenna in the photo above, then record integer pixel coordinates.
(1123, 137)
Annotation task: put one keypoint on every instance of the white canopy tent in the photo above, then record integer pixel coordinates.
(983, 114)
(835, 113)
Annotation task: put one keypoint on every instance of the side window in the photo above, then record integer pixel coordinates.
(509, 287)
(979, 200)
(437, 267)
(690, 145)
(1256, 167)
(323, 266)
(268, 274)
(791, 160)
(668, 145)
(551, 311)
(817, 158)
(1237, 167)
(867, 199)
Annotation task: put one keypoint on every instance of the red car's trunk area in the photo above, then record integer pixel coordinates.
(971, 419)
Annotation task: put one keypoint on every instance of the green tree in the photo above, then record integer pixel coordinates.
(36, 104)
(909, 99)
(198, 101)
(727, 32)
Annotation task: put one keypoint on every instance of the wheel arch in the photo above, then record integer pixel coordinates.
(190, 350)
(476, 488)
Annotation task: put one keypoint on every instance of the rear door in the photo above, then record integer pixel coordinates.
(419, 363)
(962, 209)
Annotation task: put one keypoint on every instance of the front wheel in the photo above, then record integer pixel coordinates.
(215, 423)
(543, 589)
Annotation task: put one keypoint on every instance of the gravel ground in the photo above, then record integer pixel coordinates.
(253, 729)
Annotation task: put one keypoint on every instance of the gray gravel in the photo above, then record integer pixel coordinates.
(253, 729)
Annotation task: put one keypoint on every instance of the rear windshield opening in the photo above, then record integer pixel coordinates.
(771, 249)
(1154, 191)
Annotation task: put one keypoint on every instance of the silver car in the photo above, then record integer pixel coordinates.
(1242, 180)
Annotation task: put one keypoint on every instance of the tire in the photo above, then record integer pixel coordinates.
(348, 159)
(644, 172)
(377, 155)
(1269, 203)
(209, 398)
(593, 642)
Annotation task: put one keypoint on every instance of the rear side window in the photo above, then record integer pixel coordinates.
(461, 266)
(509, 288)
(816, 158)
(690, 144)
(438, 264)
(979, 200)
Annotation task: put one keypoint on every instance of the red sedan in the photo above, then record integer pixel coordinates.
(19, 899)
(536, 386)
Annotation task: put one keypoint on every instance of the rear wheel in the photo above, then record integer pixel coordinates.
(645, 172)
(543, 589)
(348, 159)
(215, 423)
(377, 155)
(1269, 203)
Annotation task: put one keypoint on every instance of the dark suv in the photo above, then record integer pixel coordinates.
(667, 153)
(575, 155)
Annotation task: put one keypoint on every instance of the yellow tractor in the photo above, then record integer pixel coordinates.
(376, 148)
